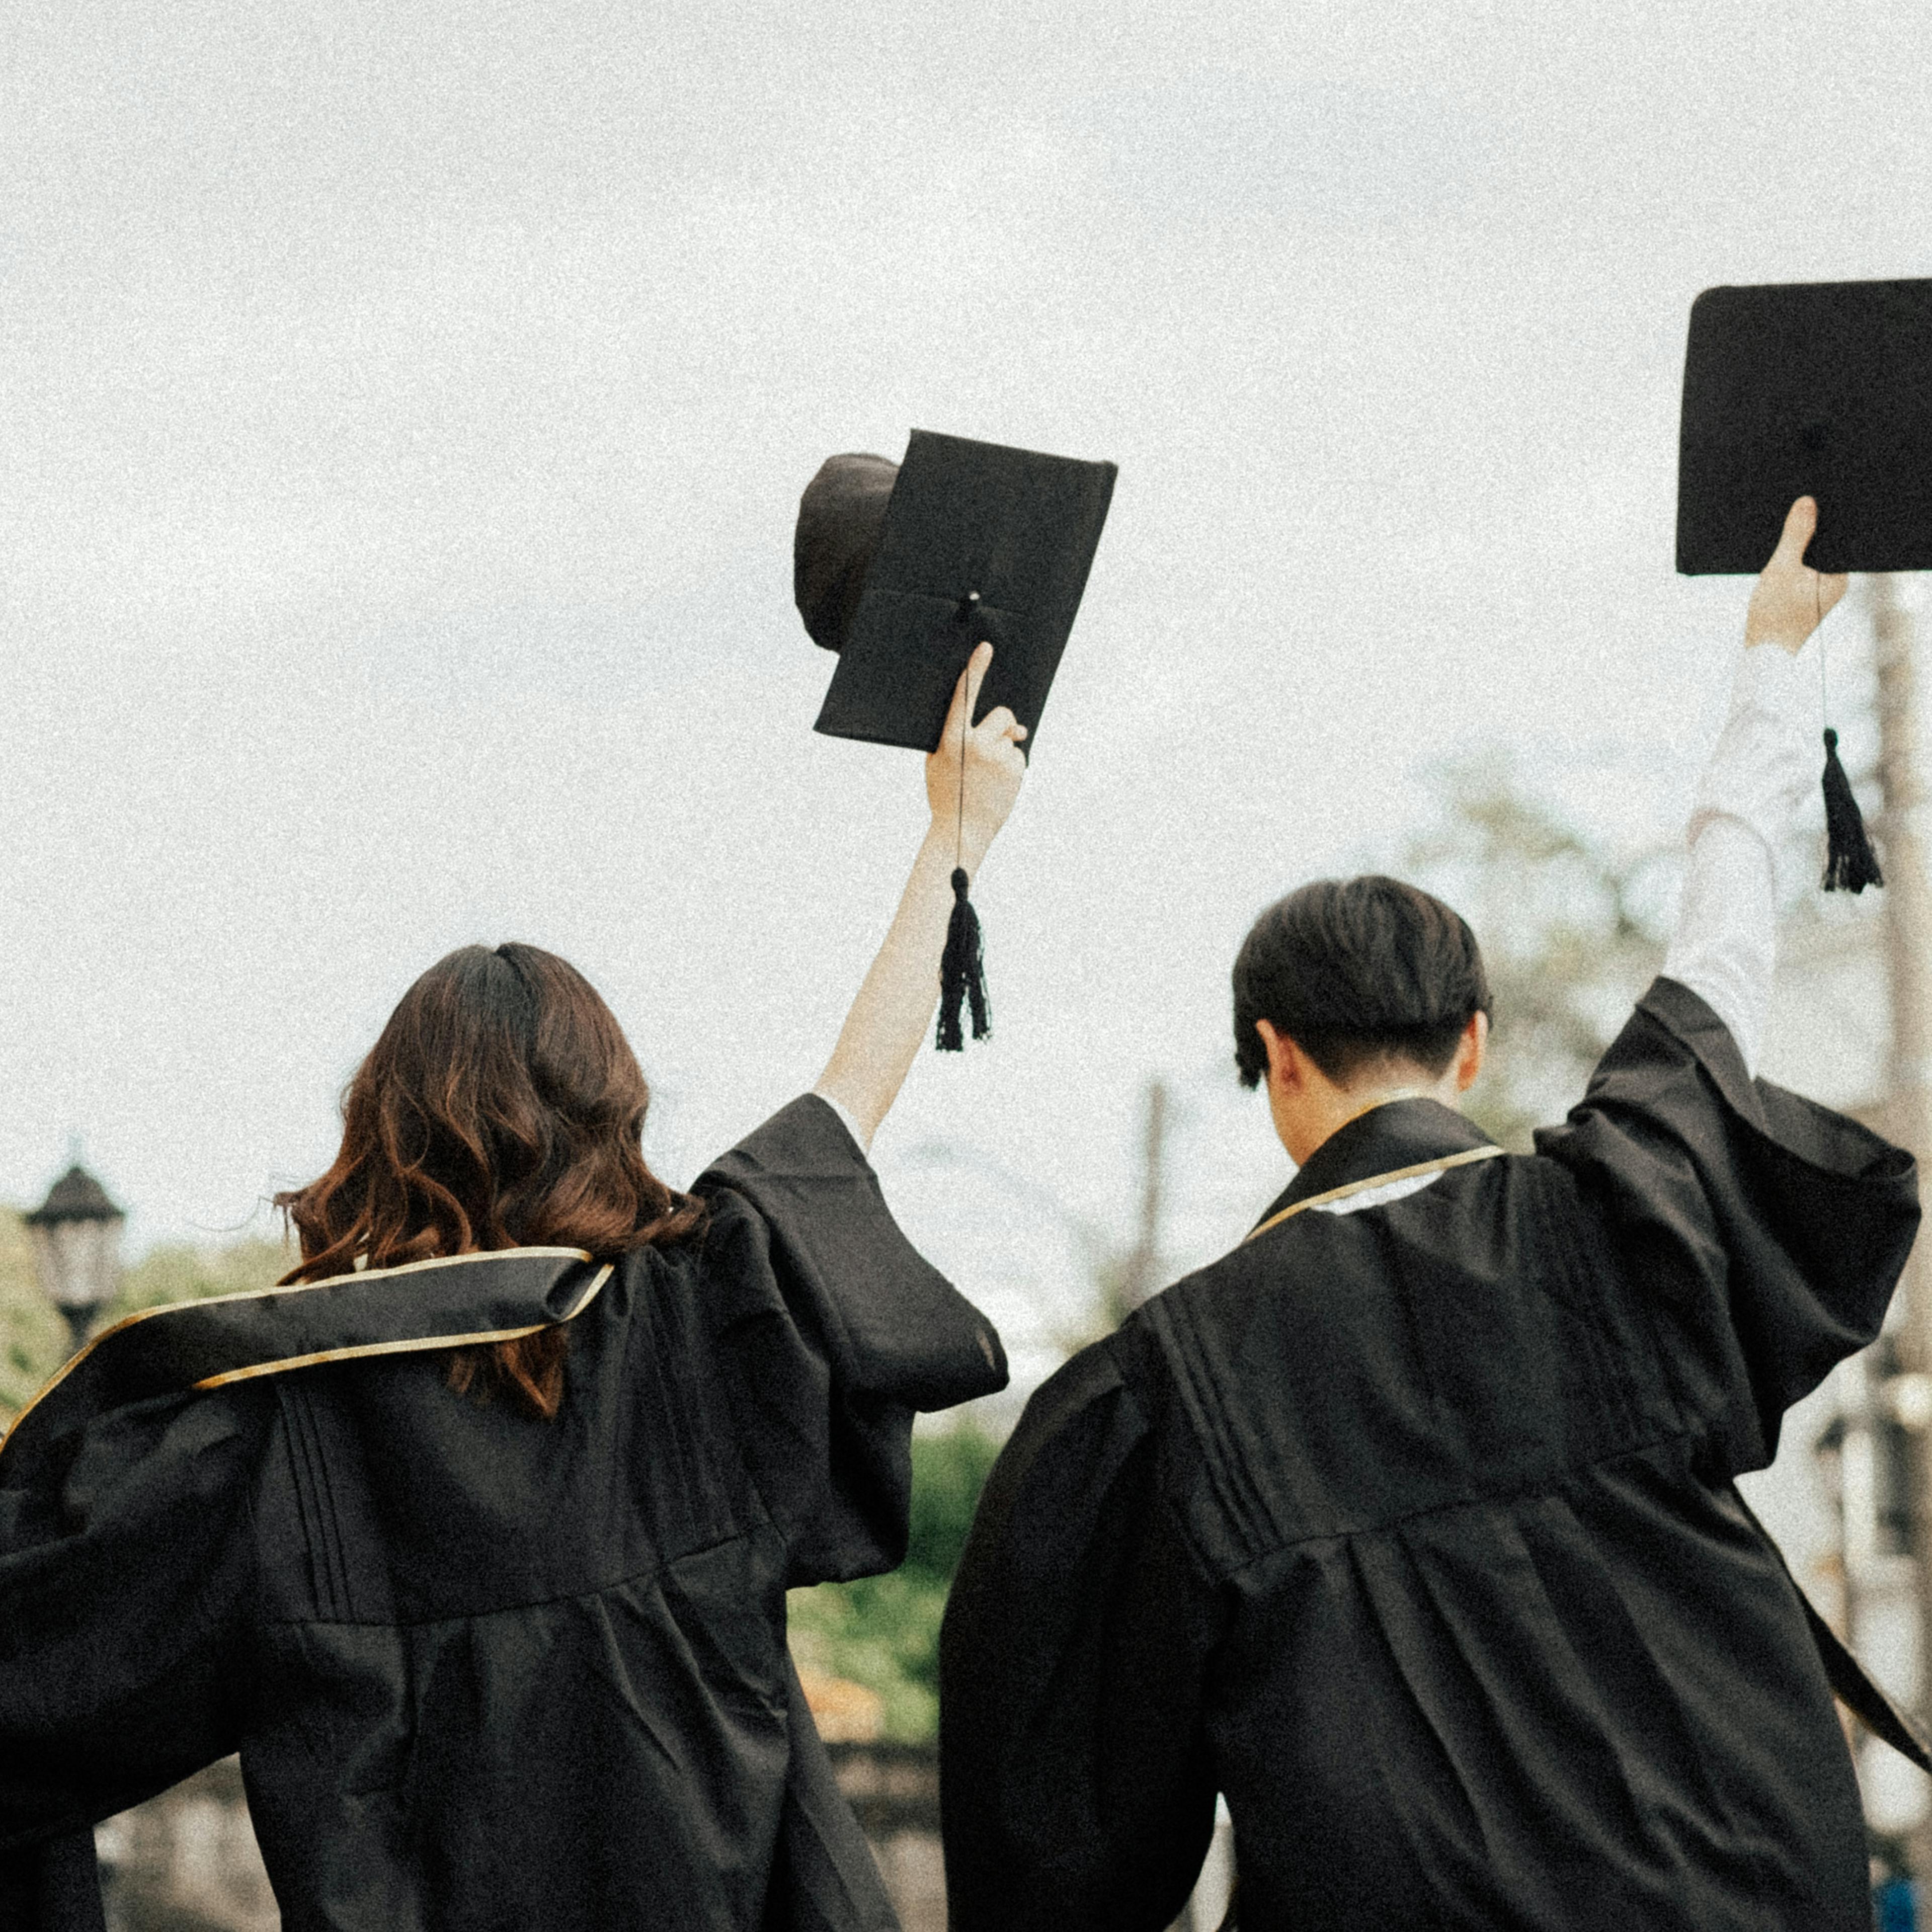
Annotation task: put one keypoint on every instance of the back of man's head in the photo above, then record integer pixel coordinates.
(1358, 972)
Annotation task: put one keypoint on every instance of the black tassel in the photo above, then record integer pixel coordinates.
(962, 980)
(1850, 864)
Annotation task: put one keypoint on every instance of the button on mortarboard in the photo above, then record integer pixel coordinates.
(1820, 389)
(974, 541)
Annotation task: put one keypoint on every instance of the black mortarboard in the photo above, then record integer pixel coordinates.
(903, 573)
(1820, 389)
(904, 569)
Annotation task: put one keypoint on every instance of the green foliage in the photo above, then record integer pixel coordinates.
(880, 1631)
(883, 1631)
(177, 1272)
(949, 1470)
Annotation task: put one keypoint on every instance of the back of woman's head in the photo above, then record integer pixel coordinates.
(502, 1107)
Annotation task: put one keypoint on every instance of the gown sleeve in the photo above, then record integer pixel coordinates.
(1076, 1787)
(1770, 1231)
(834, 1330)
(126, 1569)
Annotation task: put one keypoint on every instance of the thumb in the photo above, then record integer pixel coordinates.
(1800, 524)
(977, 667)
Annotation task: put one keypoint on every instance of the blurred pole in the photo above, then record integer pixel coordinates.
(1908, 954)
(1142, 1275)
(1908, 906)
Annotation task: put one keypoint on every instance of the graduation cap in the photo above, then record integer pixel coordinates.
(903, 569)
(1820, 389)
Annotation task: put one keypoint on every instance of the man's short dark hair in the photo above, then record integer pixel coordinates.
(1356, 972)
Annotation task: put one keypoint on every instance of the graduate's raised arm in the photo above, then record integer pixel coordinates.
(1790, 1223)
(1724, 947)
(971, 782)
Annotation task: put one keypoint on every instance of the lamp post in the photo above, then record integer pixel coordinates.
(76, 1232)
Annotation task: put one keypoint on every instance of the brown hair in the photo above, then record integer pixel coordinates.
(502, 1107)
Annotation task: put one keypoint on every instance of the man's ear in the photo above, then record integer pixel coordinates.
(1470, 1050)
(1283, 1069)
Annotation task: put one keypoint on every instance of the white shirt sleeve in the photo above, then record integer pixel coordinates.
(1725, 946)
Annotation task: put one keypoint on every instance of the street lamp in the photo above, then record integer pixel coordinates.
(77, 1233)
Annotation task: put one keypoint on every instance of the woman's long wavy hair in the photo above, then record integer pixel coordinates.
(502, 1107)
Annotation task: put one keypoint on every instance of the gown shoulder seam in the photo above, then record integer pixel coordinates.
(1563, 1480)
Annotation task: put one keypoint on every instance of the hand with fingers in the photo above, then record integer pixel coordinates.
(1789, 600)
(973, 779)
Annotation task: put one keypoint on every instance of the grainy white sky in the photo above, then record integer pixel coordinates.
(402, 412)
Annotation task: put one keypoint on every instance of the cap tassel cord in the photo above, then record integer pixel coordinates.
(962, 977)
(1850, 864)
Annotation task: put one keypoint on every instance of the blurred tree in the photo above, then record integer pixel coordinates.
(177, 1272)
(949, 1470)
(1571, 933)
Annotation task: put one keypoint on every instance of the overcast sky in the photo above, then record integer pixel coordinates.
(403, 412)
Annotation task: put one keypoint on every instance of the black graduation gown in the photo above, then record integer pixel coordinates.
(1411, 1530)
(483, 1671)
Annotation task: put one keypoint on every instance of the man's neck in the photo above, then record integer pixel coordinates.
(1380, 1097)
(1313, 1123)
